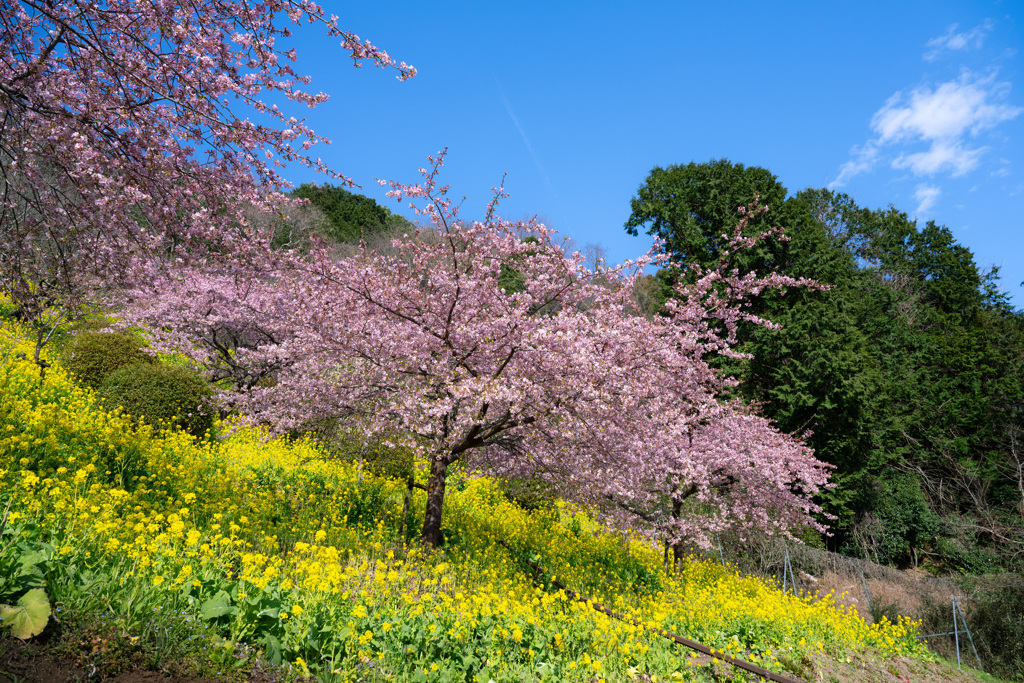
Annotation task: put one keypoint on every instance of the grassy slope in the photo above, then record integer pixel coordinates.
(229, 552)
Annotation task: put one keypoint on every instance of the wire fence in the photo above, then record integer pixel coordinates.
(946, 609)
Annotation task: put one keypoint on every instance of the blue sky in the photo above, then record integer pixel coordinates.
(915, 104)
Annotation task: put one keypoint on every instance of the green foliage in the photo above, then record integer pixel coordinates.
(22, 562)
(27, 617)
(22, 565)
(996, 621)
(161, 394)
(529, 494)
(384, 460)
(352, 217)
(510, 278)
(896, 521)
(126, 623)
(92, 356)
(8, 310)
(691, 207)
(937, 387)
(911, 360)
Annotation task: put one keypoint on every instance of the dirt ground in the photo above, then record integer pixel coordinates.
(31, 662)
(864, 669)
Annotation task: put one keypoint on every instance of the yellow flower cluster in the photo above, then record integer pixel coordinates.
(277, 542)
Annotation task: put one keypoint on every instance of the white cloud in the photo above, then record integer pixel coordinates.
(949, 111)
(941, 156)
(952, 41)
(863, 160)
(926, 196)
(943, 119)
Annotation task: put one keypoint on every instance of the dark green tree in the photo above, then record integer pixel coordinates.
(351, 217)
(691, 207)
(906, 370)
(938, 410)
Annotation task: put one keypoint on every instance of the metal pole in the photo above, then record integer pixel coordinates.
(720, 555)
(956, 635)
(785, 575)
(792, 576)
(785, 571)
(868, 595)
(968, 630)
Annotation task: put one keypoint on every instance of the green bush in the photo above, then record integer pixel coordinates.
(896, 521)
(93, 356)
(161, 394)
(997, 624)
(393, 462)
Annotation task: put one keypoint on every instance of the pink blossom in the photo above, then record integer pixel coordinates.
(476, 347)
(125, 133)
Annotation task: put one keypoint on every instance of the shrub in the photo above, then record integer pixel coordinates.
(92, 356)
(896, 523)
(161, 394)
(391, 461)
(997, 624)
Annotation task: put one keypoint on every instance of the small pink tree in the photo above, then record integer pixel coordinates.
(731, 471)
(482, 345)
(124, 131)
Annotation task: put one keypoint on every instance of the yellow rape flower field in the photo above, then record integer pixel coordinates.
(259, 550)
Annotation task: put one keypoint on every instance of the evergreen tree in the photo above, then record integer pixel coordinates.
(908, 369)
(351, 217)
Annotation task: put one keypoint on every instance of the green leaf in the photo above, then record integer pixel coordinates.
(217, 606)
(274, 654)
(28, 618)
(31, 559)
(271, 612)
(31, 575)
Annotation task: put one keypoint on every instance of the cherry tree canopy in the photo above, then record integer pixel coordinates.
(124, 133)
(486, 340)
(733, 470)
(124, 129)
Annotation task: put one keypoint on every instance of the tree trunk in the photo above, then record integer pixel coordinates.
(435, 503)
(677, 547)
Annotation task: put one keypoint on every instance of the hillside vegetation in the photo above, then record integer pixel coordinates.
(149, 522)
(239, 549)
(908, 370)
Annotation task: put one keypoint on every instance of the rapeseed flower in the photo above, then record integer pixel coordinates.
(265, 522)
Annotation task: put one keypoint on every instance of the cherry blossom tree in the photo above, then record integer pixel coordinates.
(731, 471)
(552, 372)
(125, 129)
